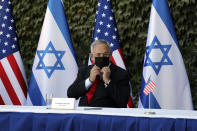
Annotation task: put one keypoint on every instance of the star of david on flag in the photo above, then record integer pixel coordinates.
(164, 64)
(163, 50)
(55, 67)
(105, 29)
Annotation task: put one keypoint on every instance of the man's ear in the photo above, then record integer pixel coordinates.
(91, 57)
(110, 54)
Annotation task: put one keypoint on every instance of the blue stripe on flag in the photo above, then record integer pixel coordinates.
(164, 12)
(34, 92)
(145, 99)
(57, 10)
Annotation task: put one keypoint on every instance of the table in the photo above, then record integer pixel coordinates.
(38, 118)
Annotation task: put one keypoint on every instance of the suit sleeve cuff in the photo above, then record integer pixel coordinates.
(106, 84)
(87, 83)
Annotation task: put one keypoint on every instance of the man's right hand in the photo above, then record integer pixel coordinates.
(93, 73)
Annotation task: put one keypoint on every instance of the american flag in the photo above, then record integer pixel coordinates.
(13, 89)
(106, 29)
(149, 87)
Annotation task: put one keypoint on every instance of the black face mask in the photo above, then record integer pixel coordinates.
(101, 61)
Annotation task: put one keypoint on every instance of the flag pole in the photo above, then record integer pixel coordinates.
(149, 108)
(149, 103)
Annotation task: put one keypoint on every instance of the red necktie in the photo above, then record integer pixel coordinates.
(92, 89)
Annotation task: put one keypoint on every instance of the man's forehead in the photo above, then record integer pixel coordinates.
(101, 46)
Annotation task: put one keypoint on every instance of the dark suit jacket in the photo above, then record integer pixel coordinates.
(116, 94)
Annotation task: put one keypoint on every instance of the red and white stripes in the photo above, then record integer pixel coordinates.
(149, 87)
(117, 58)
(13, 85)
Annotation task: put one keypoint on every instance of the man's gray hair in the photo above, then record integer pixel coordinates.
(98, 42)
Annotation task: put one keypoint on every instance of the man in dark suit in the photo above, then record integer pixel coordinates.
(102, 84)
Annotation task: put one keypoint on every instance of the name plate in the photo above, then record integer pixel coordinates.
(63, 103)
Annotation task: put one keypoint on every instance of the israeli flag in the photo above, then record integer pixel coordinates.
(54, 67)
(163, 64)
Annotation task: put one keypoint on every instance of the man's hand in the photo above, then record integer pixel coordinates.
(93, 73)
(106, 74)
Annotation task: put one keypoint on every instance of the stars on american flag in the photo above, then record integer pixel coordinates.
(108, 25)
(12, 21)
(8, 38)
(5, 43)
(105, 7)
(96, 38)
(105, 27)
(3, 51)
(10, 27)
(8, 35)
(2, 25)
(111, 44)
(106, 33)
(103, 15)
(7, 10)
(101, 22)
(5, 17)
(114, 37)
(110, 18)
(98, 30)
(99, 4)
